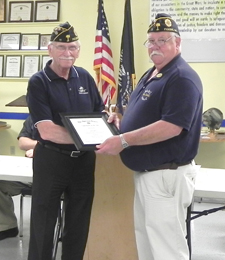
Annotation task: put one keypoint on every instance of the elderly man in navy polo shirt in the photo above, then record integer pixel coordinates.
(58, 167)
(160, 137)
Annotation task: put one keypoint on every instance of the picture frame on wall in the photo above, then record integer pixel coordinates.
(44, 40)
(10, 41)
(47, 11)
(29, 41)
(44, 60)
(30, 65)
(1, 65)
(12, 66)
(2, 11)
(21, 11)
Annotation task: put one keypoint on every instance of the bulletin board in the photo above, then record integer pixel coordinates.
(201, 24)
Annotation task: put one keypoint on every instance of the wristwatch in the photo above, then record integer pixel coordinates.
(123, 141)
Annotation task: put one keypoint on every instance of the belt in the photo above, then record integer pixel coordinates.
(66, 152)
(168, 166)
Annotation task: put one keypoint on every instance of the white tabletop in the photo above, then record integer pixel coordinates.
(210, 183)
(16, 168)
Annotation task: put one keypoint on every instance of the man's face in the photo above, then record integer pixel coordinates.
(163, 47)
(64, 54)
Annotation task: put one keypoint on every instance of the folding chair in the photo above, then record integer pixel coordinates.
(25, 192)
(58, 228)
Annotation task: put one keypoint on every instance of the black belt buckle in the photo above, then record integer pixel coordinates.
(74, 153)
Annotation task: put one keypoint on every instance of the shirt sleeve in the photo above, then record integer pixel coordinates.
(27, 130)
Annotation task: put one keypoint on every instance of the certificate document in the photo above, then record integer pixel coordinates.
(13, 66)
(30, 66)
(47, 11)
(20, 11)
(88, 130)
(91, 130)
(10, 41)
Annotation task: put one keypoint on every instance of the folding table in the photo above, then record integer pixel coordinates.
(210, 183)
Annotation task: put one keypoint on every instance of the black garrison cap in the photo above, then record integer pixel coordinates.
(163, 23)
(64, 33)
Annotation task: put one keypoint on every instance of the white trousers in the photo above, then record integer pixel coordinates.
(160, 211)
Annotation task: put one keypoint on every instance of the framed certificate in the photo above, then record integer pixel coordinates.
(47, 11)
(10, 41)
(21, 11)
(45, 59)
(44, 41)
(29, 41)
(1, 65)
(88, 130)
(2, 11)
(30, 65)
(12, 66)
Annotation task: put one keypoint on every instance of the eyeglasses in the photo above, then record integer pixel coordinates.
(150, 43)
(63, 48)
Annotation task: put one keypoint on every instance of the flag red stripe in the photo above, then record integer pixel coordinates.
(103, 60)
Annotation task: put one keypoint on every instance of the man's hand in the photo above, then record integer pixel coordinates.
(111, 146)
(29, 153)
(113, 118)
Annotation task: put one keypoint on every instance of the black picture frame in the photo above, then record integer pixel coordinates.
(31, 64)
(30, 41)
(20, 11)
(13, 66)
(44, 41)
(88, 130)
(10, 41)
(44, 60)
(1, 65)
(2, 11)
(47, 11)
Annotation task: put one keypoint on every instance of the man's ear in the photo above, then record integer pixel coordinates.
(50, 50)
(178, 43)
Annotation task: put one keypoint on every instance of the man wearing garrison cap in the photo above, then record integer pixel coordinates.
(159, 141)
(58, 166)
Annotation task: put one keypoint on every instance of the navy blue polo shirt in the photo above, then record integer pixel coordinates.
(28, 129)
(175, 96)
(48, 95)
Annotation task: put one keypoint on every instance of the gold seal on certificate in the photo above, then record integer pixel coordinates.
(88, 130)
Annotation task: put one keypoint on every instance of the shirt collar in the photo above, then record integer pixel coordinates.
(51, 75)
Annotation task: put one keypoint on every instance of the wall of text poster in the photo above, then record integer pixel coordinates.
(201, 24)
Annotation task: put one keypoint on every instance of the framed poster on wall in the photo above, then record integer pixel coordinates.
(21, 11)
(12, 66)
(1, 65)
(47, 11)
(2, 11)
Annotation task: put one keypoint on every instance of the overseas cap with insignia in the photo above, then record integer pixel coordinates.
(163, 23)
(64, 33)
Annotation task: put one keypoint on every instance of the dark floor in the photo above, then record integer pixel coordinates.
(208, 235)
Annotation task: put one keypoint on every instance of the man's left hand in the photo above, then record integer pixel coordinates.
(111, 146)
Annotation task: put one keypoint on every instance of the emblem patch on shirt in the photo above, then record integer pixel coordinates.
(159, 75)
(82, 90)
(146, 95)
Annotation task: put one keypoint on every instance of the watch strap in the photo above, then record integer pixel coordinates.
(123, 141)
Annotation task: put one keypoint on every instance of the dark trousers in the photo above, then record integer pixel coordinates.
(54, 174)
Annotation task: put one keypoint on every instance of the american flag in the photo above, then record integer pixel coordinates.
(103, 62)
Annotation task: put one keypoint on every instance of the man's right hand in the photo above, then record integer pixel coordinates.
(29, 153)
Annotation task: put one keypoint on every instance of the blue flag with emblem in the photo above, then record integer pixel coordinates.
(126, 81)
